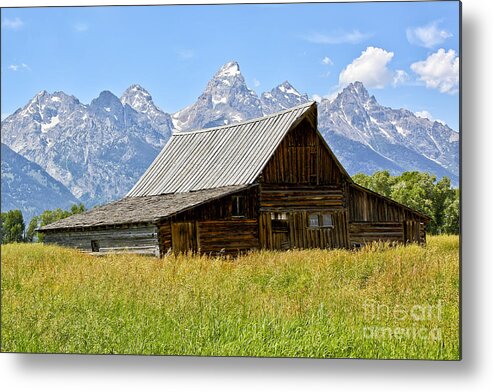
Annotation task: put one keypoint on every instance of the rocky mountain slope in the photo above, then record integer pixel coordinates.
(26, 186)
(98, 150)
(397, 135)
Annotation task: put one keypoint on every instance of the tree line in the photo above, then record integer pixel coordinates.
(417, 190)
(14, 229)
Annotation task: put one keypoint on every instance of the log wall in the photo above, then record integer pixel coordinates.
(361, 233)
(229, 236)
(143, 240)
(279, 197)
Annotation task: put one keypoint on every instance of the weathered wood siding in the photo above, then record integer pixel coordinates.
(296, 233)
(297, 202)
(184, 237)
(220, 208)
(301, 178)
(302, 158)
(374, 218)
(414, 231)
(361, 233)
(211, 228)
(368, 207)
(279, 197)
(142, 239)
(228, 236)
(164, 236)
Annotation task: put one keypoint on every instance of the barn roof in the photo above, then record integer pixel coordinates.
(215, 157)
(144, 209)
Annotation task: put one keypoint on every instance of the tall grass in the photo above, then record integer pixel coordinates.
(380, 302)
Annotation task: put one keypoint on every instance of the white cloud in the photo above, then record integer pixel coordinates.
(427, 36)
(19, 67)
(427, 114)
(338, 37)
(327, 61)
(81, 27)
(186, 54)
(316, 97)
(256, 82)
(12, 24)
(371, 68)
(439, 71)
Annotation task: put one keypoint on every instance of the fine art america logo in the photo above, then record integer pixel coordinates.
(402, 322)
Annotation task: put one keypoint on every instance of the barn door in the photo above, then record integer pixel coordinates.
(280, 231)
(411, 231)
(184, 237)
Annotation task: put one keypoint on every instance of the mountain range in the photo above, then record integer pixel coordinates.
(27, 186)
(97, 151)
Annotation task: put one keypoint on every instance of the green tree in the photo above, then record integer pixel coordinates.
(12, 226)
(77, 208)
(31, 229)
(442, 198)
(451, 224)
(51, 216)
(380, 182)
(363, 180)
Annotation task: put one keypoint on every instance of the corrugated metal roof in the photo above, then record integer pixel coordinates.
(216, 157)
(145, 209)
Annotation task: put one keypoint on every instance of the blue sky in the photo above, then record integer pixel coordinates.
(405, 53)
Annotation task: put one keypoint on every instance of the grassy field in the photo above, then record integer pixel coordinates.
(379, 302)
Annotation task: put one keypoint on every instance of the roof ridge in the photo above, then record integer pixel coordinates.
(263, 118)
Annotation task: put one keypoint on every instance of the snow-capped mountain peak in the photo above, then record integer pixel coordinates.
(230, 69)
(226, 99)
(287, 88)
(282, 97)
(353, 93)
(138, 98)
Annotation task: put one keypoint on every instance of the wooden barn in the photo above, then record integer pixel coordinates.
(271, 182)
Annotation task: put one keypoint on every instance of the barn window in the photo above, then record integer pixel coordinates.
(238, 206)
(282, 216)
(279, 222)
(313, 221)
(327, 220)
(317, 221)
(95, 245)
